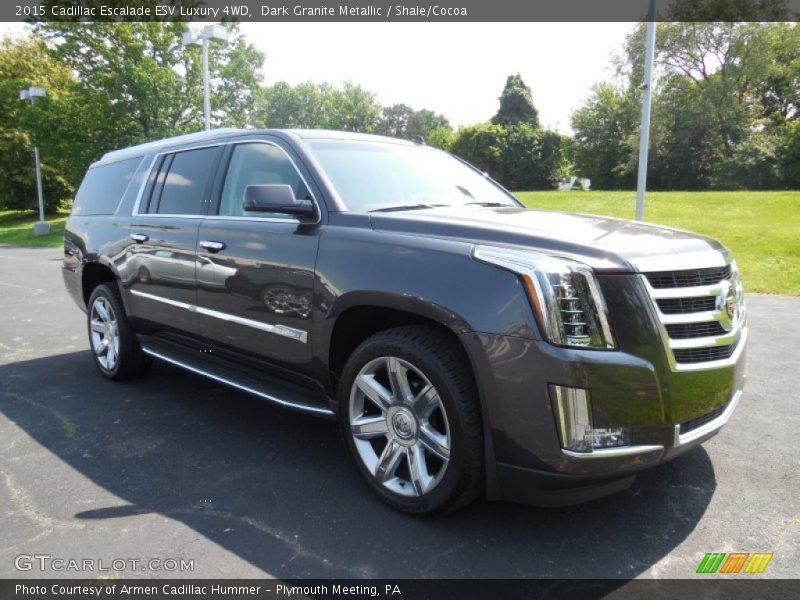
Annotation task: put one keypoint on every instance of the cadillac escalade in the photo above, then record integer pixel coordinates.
(467, 346)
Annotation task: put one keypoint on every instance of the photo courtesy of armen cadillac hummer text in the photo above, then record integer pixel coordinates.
(467, 346)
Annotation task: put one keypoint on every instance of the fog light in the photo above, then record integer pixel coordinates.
(574, 417)
(575, 427)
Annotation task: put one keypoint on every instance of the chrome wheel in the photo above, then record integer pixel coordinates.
(399, 426)
(104, 333)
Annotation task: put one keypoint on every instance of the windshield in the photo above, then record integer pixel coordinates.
(373, 176)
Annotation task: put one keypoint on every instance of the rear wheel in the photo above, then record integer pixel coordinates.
(411, 421)
(115, 349)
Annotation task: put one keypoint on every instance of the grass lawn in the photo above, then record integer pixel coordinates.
(16, 228)
(762, 228)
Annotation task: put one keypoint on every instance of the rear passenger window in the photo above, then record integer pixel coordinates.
(181, 185)
(103, 186)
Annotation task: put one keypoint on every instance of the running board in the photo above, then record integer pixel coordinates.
(272, 389)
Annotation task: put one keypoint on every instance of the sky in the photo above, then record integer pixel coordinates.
(456, 69)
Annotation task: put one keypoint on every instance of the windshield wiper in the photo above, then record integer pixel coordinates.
(407, 207)
(488, 204)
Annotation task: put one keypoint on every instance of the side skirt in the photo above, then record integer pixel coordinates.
(270, 388)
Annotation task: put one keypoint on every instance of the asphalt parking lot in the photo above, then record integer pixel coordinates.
(176, 467)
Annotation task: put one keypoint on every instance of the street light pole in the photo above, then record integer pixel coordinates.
(42, 227)
(647, 87)
(202, 39)
(206, 88)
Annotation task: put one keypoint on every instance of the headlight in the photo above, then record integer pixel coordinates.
(564, 295)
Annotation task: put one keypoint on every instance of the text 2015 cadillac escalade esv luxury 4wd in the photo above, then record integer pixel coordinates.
(466, 345)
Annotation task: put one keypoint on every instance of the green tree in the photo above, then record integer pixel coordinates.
(724, 95)
(752, 166)
(424, 122)
(533, 158)
(319, 106)
(402, 121)
(778, 90)
(394, 120)
(789, 155)
(516, 104)
(25, 63)
(441, 138)
(303, 106)
(153, 84)
(519, 156)
(602, 129)
(483, 146)
(353, 108)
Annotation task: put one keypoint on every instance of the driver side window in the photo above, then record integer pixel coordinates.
(258, 164)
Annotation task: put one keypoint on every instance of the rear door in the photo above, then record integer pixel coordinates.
(161, 265)
(255, 271)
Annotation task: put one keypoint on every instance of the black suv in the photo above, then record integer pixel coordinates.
(466, 345)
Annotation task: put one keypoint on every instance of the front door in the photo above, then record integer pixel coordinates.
(255, 271)
(160, 267)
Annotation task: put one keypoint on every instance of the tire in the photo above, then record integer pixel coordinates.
(115, 349)
(423, 454)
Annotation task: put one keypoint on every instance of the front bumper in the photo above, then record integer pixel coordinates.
(667, 411)
(547, 488)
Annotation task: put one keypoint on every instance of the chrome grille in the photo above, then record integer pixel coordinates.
(680, 331)
(696, 422)
(689, 278)
(671, 306)
(698, 355)
(701, 313)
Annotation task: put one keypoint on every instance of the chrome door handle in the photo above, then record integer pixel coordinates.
(212, 246)
(139, 238)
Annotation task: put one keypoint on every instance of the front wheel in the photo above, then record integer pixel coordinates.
(411, 420)
(115, 349)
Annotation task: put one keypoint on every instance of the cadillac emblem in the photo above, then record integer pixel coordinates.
(728, 305)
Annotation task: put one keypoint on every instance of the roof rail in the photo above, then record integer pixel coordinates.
(178, 139)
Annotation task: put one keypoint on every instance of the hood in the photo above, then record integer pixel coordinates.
(603, 243)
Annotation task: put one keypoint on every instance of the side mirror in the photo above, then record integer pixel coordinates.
(277, 198)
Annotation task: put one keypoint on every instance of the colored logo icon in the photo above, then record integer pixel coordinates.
(734, 562)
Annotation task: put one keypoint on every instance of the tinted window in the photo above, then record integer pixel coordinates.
(258, 164)
(181, 185)
(103, 187)
(375, 175)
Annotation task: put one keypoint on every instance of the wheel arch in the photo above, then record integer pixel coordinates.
(93, 274)
(356, 316)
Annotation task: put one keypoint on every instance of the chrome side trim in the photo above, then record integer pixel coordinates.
(289, 220)
(684, 292)
(695, 317)
(274, 399)
(705, 342)
(283, 330)
(169, 301)
(622, 451)
(711, 426)
(277, 329)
